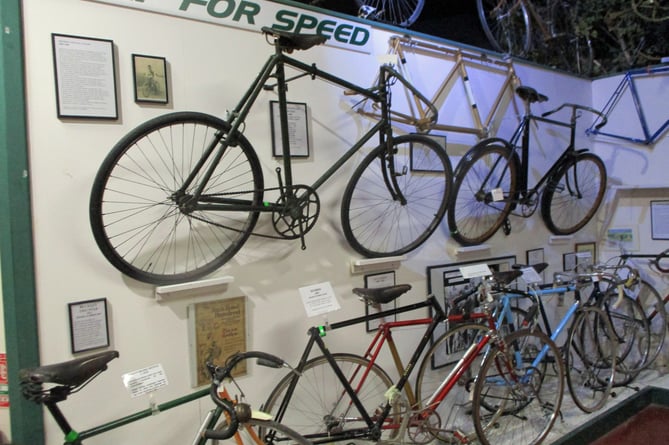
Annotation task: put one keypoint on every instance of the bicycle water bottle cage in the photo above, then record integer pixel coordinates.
(381, 295)
(289, 41)
(530, 95)
(70, 375)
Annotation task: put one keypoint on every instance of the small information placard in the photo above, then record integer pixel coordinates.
(319, 299)
(475, 271)
(145, 380)
(88, 325)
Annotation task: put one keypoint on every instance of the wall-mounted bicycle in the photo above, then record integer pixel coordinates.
(179, 195)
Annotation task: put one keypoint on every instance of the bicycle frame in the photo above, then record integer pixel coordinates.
(77, 437)
(274, 68)
(522, 133)
(384, 335)
(483, 126)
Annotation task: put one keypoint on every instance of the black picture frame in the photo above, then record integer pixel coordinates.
(381, 279)
(149, 74)
(659, 219)
(298, 129)
(569, 261)
(446, 281)
(89, 325)
(536, 256)
(85, 77)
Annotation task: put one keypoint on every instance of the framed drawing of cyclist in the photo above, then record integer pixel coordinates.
(150, 77)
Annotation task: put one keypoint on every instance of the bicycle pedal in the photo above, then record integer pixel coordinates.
(506, 226)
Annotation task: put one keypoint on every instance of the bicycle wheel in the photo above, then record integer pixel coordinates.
(396, 12)
(573, 194)
(274, 432)
(653, 307)
(452, 415)
(394, 201)
(651, 10)
(142, 215)
(519, 390)
(591, 359)
(506, 24)
(475, 212)
(631, 328)
(319, 405)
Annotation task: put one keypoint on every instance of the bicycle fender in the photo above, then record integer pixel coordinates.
(482, 145)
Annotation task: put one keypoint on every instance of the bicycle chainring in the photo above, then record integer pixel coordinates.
(299, 208)
(424, 426)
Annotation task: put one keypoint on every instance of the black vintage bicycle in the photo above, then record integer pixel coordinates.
(179, 195)
(491, 181)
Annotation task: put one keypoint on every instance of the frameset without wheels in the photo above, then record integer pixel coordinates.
(492, 181)
(178, 196)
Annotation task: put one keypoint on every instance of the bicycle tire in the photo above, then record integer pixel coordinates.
(506, 24)
(473, 215)
(653, 306)
(319, 404)
(136, 211)
(247, 434)
(454, 411)
(653, 11)
(568, 205)
(591, 359)
(402, 13)
(375, 220)
(631, 328)
(510, 384)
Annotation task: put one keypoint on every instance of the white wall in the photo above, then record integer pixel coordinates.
(209, 68)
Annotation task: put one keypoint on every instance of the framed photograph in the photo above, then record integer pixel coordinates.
(659, 219)
(421, 159)
(569, 261)
(89, 325)
(150, 76)
(85, 77)
(298, 129)
(586, 253)
(623, 237)
(375, 281)
(446, 282)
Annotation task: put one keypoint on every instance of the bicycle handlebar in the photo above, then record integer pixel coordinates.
(575, 107)
(218, 374)
(656, 261)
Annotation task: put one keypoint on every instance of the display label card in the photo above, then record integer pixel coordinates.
(475, 271)
(145, 380)
(319, 299)
(531, 276)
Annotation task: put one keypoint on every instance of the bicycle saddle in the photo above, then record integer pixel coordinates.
(381, 295)
(506, 277)
(70, 373)
(529, 94)
(290, 40)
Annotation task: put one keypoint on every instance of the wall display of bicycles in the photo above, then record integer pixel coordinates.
(85, 77)
(150, 76)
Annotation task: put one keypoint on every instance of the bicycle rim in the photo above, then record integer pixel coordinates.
(453, 413)
(397, 12)
(631, 328)
(524, 392)
(141, 220)
(653, 307)
(591, 359)
(319, 405)
(473, 214)
(376, 220)
(506, 24)
(573, 194)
